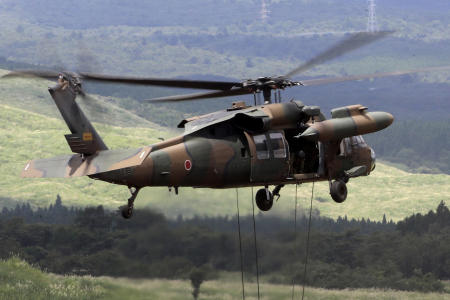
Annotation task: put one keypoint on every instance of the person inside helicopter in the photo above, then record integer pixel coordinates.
(304, 154)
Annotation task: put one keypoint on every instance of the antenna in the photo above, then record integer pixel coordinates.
(372, 24)
(264, 12)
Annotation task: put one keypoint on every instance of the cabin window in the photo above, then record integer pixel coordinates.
(262, 149)
(278, 146)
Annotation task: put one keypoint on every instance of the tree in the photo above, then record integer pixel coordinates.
(197, 277)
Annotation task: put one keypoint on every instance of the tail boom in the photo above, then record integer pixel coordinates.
(77, 165)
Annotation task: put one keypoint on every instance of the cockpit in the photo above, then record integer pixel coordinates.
(350, 144)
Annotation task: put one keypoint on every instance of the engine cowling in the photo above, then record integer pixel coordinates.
(347, 121)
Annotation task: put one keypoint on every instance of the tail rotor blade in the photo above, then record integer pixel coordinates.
(86, 61)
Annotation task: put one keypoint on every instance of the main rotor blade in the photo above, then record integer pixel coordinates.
(235, 92)
(321, 81)
(46, 74)
(353, 42)
(178, 83)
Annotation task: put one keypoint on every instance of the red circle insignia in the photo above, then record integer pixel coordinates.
(187, 165)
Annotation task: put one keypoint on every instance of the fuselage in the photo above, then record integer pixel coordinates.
(225, 155)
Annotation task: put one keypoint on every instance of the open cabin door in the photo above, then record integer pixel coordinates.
(269, 157)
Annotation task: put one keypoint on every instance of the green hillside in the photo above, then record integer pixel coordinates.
(19, 280)
(25, 135)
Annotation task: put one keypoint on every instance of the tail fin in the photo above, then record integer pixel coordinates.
(84, 138)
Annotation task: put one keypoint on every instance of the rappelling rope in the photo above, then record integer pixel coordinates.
(240, 244)
(295, 238)
(307, 240)
(256, 245)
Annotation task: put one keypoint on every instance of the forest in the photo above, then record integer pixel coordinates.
(343, 253)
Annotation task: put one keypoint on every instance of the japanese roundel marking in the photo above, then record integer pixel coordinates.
(187, 165)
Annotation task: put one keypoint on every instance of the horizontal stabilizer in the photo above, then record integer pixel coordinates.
(75, 166)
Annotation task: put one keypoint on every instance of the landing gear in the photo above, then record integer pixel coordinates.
(264, 199)
(276, 191)
(127, 210)
(338, 191)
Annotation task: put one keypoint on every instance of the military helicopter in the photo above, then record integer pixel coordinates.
(272, 144)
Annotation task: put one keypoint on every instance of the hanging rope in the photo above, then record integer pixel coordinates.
(240, 244)
(307, 240)
(295, 239)
(256, 245)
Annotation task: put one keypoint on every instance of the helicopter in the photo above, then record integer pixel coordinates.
(271, 144)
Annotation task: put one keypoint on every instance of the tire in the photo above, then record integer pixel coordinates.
(126, 212)
(338, 191)
(262, 201)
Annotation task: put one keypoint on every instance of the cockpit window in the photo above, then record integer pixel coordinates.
(351, 142)
(358, 141)
(262, 149)
(278, 145)
(345, 147)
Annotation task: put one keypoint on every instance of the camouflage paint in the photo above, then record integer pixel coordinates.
(218, 150)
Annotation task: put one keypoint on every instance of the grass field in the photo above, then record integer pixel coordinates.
(19, 280)
(25, 135)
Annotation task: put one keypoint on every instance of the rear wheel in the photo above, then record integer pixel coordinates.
(338, 191)
(126, 211)
(264, 199)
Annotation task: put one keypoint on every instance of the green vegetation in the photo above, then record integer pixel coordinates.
(422, 146)
(19, 280)
(343, 253)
